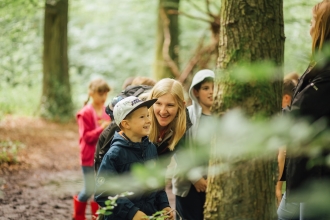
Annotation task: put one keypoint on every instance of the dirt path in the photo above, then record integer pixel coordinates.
(42, 185)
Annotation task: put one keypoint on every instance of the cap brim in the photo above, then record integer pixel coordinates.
(147, 103)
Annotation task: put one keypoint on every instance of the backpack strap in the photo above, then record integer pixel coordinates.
(138, 92)
(112, 128)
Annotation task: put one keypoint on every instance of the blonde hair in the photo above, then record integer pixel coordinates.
(321, 32)
(99, 86)
(141, 80)
(178, 125)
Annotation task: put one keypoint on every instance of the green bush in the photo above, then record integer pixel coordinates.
(19, 100)
(9, 150)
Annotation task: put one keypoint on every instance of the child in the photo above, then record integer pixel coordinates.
(190, 194)
(130, 146)
(289, 83)
(92, 119)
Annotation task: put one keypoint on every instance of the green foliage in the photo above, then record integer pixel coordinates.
(116, 42)
(9, 150)
(111, 204)
(20, 100)
(20, 39)
(297, 17)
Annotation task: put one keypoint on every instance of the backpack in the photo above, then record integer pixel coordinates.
(104, 141)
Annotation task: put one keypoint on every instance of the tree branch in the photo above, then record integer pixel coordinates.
(166, 45)
(200, 50)
(176, 12)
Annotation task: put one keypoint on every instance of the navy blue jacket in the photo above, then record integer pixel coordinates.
(119, 160)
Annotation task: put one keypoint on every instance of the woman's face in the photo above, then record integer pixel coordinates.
(165, 109)
(312, 28)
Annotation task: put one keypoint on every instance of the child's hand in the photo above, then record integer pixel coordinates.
(140, 216)
(201, 185)
(169, 213)
(105, 124)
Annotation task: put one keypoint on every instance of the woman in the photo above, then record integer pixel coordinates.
(311, 100)
(169, 119)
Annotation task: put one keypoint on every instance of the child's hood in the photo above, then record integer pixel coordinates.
(199, 77)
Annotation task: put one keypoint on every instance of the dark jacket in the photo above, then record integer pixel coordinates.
(119, 160)
(311, 100)
(103, 143)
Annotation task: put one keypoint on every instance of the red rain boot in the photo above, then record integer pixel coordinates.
(94, 207)
(79, 209)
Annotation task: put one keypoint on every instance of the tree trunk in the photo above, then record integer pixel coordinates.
(56, 100)
(250, 31)
(167, 57)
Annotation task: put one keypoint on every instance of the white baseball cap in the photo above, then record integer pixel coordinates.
(128, 105)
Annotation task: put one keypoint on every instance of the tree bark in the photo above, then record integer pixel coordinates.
(56, 100)
(167, 57)
(250, 31)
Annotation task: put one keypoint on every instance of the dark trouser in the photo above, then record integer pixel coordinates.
(191, 207)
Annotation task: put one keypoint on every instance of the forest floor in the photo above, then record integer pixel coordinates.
(48, 173)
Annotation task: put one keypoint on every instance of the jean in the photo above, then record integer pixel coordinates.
(288, 210)
(89, 184)
(300, 211)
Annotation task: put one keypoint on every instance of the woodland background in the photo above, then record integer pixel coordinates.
(114, 40)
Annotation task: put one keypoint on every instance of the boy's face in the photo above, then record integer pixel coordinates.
(139, 122)
(205, 94)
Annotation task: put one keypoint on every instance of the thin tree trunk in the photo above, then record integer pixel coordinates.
(56, 100)
(167, 57)
(250, 31)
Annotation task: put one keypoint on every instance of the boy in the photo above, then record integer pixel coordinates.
(190, 192)
(129, 146)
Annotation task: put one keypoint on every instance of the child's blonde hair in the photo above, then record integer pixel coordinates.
(99, 86)
(178, 125)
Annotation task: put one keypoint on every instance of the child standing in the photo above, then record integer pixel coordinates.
(92, 119)
(190, 193)
(130, 146)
